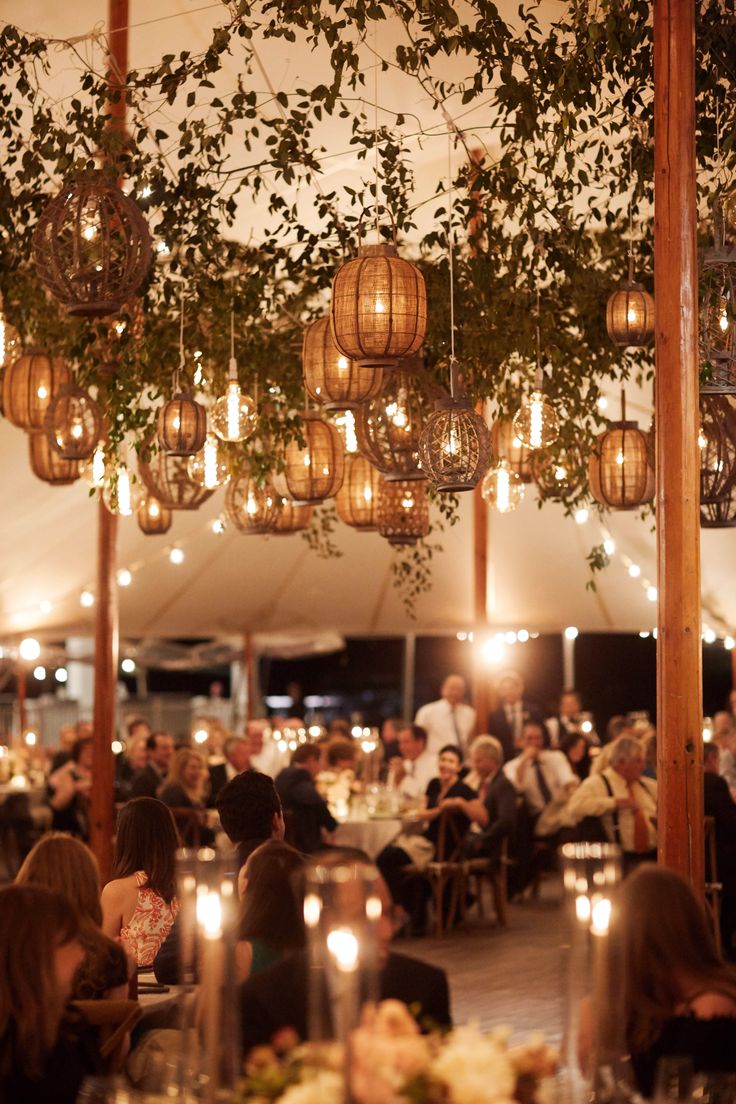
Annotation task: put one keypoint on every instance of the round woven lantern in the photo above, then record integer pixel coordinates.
(619, 473)
(331, 378)
(502, 488)
(721, 514)
(455, 446)
(403, 511)
(717, 441)
(508, 446)
(717, 321)
(379, 306)
(167, 479)
(92, 247)
(357, 499)
(73, 423)
(48, 465)
(390, 426)
(559, 474)
(250, 506)
(314, 472)
(29, 385)
(291, 517)
(182, 426)
(630, 316)
(153, 518)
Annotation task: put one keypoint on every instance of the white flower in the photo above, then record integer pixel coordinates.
(476, 1068)
(323, 1087)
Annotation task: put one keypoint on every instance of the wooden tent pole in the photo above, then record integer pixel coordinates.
(20, 681)
(482, 691)
(248, 663)
(679, 681)
(106, 622)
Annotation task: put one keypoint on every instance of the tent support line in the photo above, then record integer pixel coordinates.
(679, 675)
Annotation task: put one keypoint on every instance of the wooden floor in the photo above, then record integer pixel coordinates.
(505, 975)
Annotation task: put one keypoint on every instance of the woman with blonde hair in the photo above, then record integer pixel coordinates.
(186, 789)
(44, 1054)
(66, 866)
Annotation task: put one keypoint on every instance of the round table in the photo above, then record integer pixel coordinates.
(370, 836)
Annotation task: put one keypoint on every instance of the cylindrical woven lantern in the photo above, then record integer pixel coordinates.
(153, 518)
(291, 517)
(167, 479)
(389, 427)
(314, 472)
(403, 511)
(331, 378)
(48, 465)
(507, 446)
(619, 473)
(455, 446)
(182, 426)
(73, 423)
(717, 441)
(357, 499)
(379, 306)
(250, 506)
(92, 247)
(630, 316)
(29, 385)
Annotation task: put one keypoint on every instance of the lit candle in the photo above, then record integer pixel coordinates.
(209, 917)
(344, 950)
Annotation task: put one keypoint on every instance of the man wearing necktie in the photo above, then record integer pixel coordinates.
(449, 720)
(506, 723)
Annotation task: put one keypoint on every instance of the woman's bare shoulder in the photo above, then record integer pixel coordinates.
(713, 1003)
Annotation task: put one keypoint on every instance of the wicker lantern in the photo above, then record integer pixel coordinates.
(331, 378)
(403, 511)
(357, 499)
(47, 464)
(717, 441)
(291, 517)
(559, 474)
(721, 514)
(455, 446)
(502, 488)
(314, 472)
(153, 518)
(92, 247)
(619, 473)
(379, 307)
(389, 427)
(507, 446)
(208, 468)
(73, 423)
(9, 339)
(250, 506)
(717, 324)
(182, 425)
(29, 385)
(167, 479)
(630, 316)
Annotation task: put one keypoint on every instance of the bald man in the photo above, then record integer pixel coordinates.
(449, 720)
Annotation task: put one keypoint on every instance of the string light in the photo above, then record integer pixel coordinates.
(61, 675)
(39, 673)
(124, 577)
(86, 599)
(634, 571)
(582, 515)
(29, 649)
(127, 666)
(45, 607)
(176, 555)
(571, 632)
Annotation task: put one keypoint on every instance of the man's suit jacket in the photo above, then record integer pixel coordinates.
(277, 997)
(218, 779)
(306, 812)
(146, 783)
(719, 804)
(499, 727)
(500, 803)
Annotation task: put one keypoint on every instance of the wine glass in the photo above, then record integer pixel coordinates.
(674, 1079)
(714, 1088)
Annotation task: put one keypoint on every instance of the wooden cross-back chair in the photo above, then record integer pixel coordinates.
(445, 870)
(114, 1020)
(479, 871)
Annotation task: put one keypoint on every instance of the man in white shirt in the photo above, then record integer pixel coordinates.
(449, 720)
(625, 802)
(415, 766)
(265, 755)
(539, 775)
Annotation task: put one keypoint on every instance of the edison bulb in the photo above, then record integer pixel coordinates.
(121, 494)
(233, 416)
(536, 424)
(95, 469)
(207, 468)
(9, 341)
(502, 488)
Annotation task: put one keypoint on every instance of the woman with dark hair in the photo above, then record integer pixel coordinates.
(139, 905)
(67, 790)
(575, 748)
(185, 789)
(271, 915)
(66, 866)
(44, 1055)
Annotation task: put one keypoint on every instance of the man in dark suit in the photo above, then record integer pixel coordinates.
(507, 722)
(719, 804)
(307, 814)
(147, 782)
(498, 795)
(277, 997)
(237, 759)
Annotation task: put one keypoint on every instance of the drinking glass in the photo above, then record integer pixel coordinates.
(714, 1088)
(110, 1089)
(674, 1079)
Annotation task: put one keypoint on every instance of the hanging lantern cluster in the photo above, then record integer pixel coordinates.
(717, 441)
(291, 517)
(29, 384)
(315, 470)
(332, 379)
(47, 464)
(620, 475)
(92, 247)
(153, 518)
(234, 415)
(502, 489)
(403, 511)
(9, 339)
(167, 479)
(717, 323)
(208, 468)
(508, 446)
(389, 427)
(73, 423)
(357, 499)
(251, 506)
(379, 307)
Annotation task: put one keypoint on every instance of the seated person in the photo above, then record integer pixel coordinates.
(185, 789)
(68, 791)
(237, 759)
(539, 775)
(679, 997)
(309, 820)
(148, 781)
(271, 915)
(576, 748)
(496, 819)
(411, 771)
(277, 997)
(719, 804)
(128, 764)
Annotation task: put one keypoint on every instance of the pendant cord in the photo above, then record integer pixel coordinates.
(181, 343)
(450, 252)
(631, 216)
(539, 378)
(375, 123)
(232, 366)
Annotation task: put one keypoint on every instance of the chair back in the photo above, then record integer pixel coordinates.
(188, 825)
(114, 1019)
(449, 837)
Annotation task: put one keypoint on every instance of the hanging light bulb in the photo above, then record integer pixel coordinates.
(536, 425)
(95, 469)
(120, 493)
(9, 339)
(502, 488)
(207, 468)
(234, 415)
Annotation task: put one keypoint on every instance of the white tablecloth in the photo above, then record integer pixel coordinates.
(370, 836)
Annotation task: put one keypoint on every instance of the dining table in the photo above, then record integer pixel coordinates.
(368, 833)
